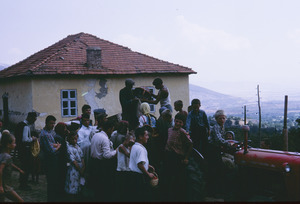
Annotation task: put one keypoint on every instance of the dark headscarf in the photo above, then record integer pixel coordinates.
(60, 129)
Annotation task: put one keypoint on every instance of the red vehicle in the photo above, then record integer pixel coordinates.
(268, 173)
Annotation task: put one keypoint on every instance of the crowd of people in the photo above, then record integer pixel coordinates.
(117, 160)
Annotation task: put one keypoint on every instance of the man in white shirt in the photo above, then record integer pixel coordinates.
(139, 165)
(103, 163)
(85, 134)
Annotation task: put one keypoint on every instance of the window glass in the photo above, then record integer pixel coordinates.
(72, 94)
(66, 112)
(73, 104)
(65, 104)
(73, 111)
(65, 94)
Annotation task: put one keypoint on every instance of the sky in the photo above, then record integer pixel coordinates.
(233, 45)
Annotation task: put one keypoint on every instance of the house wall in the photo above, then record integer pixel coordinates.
(19, 98)
(98, 93)
(178, 87)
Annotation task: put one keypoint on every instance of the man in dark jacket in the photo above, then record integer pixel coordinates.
(129, 104)
(24, 140)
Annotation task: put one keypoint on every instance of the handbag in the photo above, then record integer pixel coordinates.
(154, 181)
(35, 148)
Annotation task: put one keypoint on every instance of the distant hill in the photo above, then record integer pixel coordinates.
(3, 66)
(212, 101)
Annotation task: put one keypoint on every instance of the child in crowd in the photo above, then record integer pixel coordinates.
(86, 109)
(230, 170)
(178, 149)
(164, 122)
(198, 127)
(75, 172)
(228, 159)
(118, 136)
(123, 170)
(229, 135)
(8, 143)
(178, 105)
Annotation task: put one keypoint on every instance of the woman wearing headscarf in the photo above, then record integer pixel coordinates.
(146, 118)
(149, 122)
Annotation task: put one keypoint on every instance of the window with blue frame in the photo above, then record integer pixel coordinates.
(68, 102)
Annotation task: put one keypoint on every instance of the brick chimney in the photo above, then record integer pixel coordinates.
(93, 57)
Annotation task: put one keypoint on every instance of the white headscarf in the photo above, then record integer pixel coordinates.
(145, 108)
(218, 113)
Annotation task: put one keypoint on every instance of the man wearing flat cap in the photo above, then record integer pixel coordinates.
(129, 104)
(101, 112)
(101, 117)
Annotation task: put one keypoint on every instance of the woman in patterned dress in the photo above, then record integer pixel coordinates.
(76, 167)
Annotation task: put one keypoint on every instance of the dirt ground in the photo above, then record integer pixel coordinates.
(38, 192)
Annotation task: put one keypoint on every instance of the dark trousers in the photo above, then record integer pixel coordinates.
(103, 174)
(174, 178)
(53, 179)
(26, 158)
(140, 186)
(155, 153)
(215, 170)
(123, 190)
(200, 139)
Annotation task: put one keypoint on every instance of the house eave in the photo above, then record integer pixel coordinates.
(91, 73)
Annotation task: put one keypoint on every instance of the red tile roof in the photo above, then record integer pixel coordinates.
(68, 56)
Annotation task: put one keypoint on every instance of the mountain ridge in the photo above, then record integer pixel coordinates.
(3, 66)
(212, 101)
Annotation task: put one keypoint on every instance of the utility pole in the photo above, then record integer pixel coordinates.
(5, 110)
(245, 122)
(285, 131)
(259, 115)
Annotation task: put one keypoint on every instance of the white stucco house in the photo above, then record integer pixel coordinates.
(82, 69)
